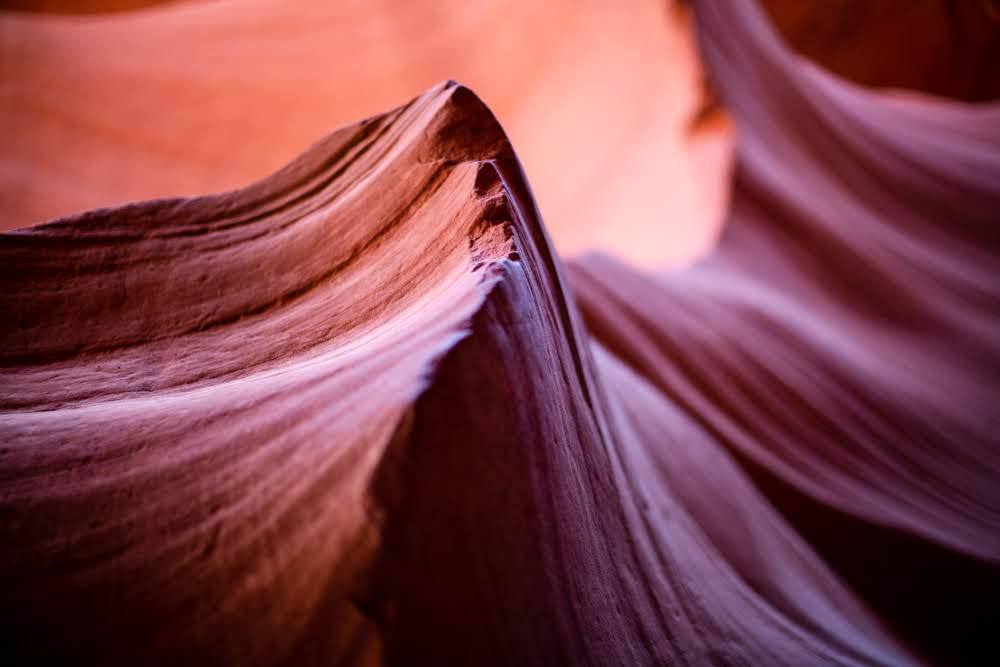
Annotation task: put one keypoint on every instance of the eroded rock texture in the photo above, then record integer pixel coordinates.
(596, 99)
(359, 412)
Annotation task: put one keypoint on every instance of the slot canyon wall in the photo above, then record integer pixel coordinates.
(576, 368)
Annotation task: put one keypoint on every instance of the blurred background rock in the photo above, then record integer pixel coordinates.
(106, 101)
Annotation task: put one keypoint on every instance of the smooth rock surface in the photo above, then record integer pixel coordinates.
(360, 412)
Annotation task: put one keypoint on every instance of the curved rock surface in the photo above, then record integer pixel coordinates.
(596, 99)
(359, 412)
(872, 42)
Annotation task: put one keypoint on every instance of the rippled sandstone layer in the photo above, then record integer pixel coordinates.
(360, 411)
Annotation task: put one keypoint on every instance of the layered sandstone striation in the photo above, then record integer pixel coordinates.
(361, 412)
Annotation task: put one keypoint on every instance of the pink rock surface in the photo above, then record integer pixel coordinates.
(360, 411)
(197, 97)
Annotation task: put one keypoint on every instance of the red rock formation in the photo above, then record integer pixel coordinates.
(596, 99)
(360, 411)
(946, 47)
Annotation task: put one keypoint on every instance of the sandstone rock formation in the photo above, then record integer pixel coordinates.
(596, 99)
(361, 412)
(945, 47)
